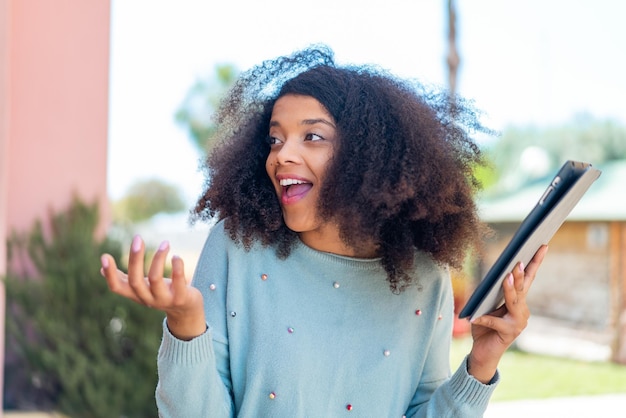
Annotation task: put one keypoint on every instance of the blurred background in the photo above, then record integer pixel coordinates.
(105, 116)
(524, 64)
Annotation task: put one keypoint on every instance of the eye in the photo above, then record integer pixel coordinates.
(272, 140)
(313, 137)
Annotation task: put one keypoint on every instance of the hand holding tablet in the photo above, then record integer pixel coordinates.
(562, 194)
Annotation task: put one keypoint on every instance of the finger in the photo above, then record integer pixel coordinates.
(489, 321)
(514, 294)
(535, 262)
(493, 320)
(109, 271)
(499, 312)
(155, 275)
(515, 301)
(179, 283)
(506, 331)
(136, 277)
(509, 285)
(116, 279)
(510, 293)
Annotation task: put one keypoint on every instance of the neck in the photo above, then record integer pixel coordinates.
(328, 240)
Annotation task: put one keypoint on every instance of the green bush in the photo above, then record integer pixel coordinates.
(72, 345)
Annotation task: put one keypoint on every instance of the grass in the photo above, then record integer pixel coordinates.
(532, 376)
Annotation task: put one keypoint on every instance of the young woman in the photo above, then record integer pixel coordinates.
(342, 194)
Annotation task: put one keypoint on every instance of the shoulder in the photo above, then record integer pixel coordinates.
(220, 239)
(431, 274)
(222, 244)
(218, 232)
(215, 251)
(222, 256)
(424, 265)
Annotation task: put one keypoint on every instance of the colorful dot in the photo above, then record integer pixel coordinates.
(263, 276)
(233, 314)
(386, 353)
(212, 286)
(418, 312)
(440, 317)
(336, 285)
(349, 407)
(272, 395)
(290, 330)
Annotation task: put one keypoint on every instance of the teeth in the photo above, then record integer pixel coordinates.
(289, 182)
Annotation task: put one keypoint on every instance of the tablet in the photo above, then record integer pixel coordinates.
(562, 194)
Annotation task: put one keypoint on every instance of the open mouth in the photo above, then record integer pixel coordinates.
(294, 189)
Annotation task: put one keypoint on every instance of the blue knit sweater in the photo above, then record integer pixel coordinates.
(315, 335)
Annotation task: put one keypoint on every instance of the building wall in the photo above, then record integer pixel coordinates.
(575, 283)
(4, 138)
(58, 69)
(53, 110)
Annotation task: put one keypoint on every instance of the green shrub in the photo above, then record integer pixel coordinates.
(72, 345)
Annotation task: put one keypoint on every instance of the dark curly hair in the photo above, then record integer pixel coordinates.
(401, 176)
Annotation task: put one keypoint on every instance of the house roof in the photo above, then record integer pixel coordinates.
(604, 201)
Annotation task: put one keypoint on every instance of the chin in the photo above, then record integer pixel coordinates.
(297, 225)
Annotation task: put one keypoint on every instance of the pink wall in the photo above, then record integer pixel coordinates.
(4, 135)
(53, 111)
(58, 69)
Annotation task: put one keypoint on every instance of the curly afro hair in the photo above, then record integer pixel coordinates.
(402, 174)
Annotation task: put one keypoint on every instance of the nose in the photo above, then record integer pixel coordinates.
(290, 152)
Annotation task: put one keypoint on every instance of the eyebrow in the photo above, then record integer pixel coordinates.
(315, 121)
(308, 122)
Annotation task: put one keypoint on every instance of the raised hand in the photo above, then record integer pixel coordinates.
(495, 332)
(182, 303)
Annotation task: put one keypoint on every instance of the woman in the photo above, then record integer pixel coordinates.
(343, 194)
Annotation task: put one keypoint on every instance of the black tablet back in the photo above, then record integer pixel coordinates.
(560, 197)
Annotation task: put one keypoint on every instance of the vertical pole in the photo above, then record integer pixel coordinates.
(618, 288)
(453, 58)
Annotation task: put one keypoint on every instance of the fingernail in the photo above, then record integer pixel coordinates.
(105, 262)
(521, 267)
(510, 279)
(164, 246)
(136, 246)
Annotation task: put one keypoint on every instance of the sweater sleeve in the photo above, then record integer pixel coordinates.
(461, 396)
(189, 382)
(194, 376)
(456, 396)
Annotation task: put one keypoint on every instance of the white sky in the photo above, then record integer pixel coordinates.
(522, 62)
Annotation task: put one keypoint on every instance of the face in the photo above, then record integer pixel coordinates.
(303, 139)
